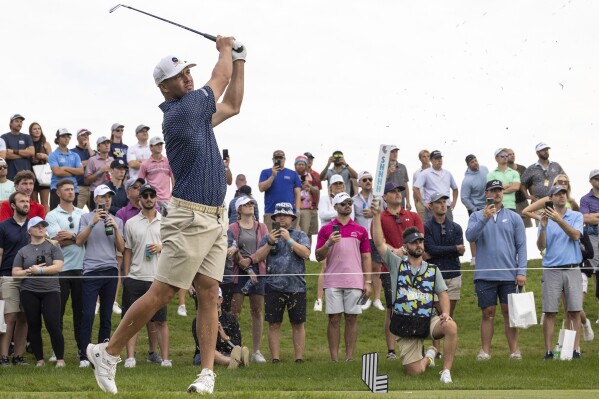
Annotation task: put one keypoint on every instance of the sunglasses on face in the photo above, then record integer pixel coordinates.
(563, 182)
(367, 179)
(503, 155)
(249, 204)
(71, 224)
(347, 203)
(3, 167)
(118, 130)
(148, 195)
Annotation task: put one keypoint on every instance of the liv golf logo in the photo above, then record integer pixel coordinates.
(370, 366)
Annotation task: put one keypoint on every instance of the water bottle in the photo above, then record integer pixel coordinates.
(249, 284)
(556, 352)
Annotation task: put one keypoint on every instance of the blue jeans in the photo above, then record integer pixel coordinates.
(92, 288)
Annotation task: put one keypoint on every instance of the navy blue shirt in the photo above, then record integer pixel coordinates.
(191, 148)
(17, 142)
(119, 151)
(12, 238)
(440, 243)
(84, 155)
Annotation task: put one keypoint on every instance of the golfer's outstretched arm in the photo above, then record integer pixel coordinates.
(231, 104)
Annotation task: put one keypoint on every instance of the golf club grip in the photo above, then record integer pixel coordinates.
(213, 38)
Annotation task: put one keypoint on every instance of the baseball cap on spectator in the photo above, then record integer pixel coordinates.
(278, 153)
(102, 139)
(132, 181)
(156, 140)
(557, 189)
(415, 236)
(394, 147)
(247, 190)
(34, 221)
(469, 158)
(499, 150)
(146, 187)
(63, 131)
(301, 158)
(81, 132)
(243, 200)
(437, 196)
(339, 198)
(541, 146)
(282, 208)
(363, 174)
(594, 173)
(168, 67)
(118, 163)
(436, 154)
(336, 179)
(337, 154)
(17, 116)
(390, 186)
(493, 184)
(102, 189)
(309, 155)
(115, 126)
(139, 128)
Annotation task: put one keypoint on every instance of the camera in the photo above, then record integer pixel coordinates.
(490, 201)
(549, 204)
(225, 154)
(277, 163)
(336, 228)
(40, 259)
(276, 225)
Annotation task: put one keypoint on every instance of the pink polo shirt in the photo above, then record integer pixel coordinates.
(345, 256)
(158, 175)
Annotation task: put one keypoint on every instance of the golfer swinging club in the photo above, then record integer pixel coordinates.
(194, 232)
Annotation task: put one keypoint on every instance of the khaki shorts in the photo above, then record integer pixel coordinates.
(454, 285)
(83, 196)
(309, 221)
(410, 349)
(193, 242)
(11, 294)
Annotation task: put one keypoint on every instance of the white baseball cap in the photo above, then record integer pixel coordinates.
(34, 221)
(336, 179)
(168, 67)
(339, 198)
(364, 174)
(141, 127)
(541, 146)
(244, 199)
(156, 140)
(103, 189)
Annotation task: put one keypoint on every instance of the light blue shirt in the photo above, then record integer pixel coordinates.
(433, 181)
(561, 249)
(58, 219)
(70, 159)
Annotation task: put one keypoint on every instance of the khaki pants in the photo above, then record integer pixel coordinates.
(83, 196)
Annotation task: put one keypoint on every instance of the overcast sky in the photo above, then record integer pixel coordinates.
(461, 77)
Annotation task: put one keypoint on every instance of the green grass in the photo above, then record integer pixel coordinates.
(319, 378)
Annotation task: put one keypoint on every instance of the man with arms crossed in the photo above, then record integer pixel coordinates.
(194, 234)
(560, 230)
(500, 240)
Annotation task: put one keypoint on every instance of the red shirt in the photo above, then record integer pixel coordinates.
(392, 230)
(35, 209)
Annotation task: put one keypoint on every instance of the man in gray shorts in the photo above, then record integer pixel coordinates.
(559, 232)
(194, 231)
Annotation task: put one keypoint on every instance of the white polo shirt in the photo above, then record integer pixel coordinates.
(137, 153)
(139, 232)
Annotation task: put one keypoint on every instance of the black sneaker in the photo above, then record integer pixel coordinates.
(4, 361)
(576, 355)
(275, 361)
(548, 356)
(439, 355)
(299, 361)
(19, 361)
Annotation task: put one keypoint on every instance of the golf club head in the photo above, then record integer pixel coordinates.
(114, 8)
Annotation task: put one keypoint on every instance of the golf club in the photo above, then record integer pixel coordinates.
(236, 46)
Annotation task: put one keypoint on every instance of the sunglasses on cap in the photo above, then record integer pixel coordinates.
(148, 195)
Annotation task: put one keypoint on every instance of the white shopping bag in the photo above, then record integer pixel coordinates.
(523, 313)
(567, 338)
(2, 322)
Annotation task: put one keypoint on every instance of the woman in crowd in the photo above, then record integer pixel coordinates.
(37, 263)
(41, 151)
(535, 209)
(244, 238)
(118, 149)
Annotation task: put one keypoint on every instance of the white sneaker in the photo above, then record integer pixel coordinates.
(378, 304)
(430, 355)
(257, 357)
(472, 263)
(204, 383)
(318, 305)
(166, 363)
(516, 356)
(587, 331)
(367, 304)
(446, 376)
(104, 367)
(52, 358)
(97, 308)
(83, 364)
(181, 311)
(116, 309)
(482, 356)
(130, 363)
